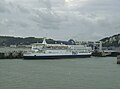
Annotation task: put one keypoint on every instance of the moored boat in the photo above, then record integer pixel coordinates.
(57, 51)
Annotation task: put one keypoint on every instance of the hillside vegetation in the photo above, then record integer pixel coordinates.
(112, 41)
(7, 41)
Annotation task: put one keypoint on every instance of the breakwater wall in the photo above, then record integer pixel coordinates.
(105, 54)
(11, 55)
(19, 54)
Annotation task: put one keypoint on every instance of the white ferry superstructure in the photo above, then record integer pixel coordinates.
(57, 51)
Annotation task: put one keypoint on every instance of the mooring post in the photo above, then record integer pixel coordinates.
(118, 59)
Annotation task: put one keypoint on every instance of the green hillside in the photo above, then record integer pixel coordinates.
(7, 41)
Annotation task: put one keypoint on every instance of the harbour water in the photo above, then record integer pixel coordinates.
(88, 73)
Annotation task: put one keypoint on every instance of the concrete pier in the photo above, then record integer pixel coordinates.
(11, 55)
(101, 54)
(106, 53)
(118, 59)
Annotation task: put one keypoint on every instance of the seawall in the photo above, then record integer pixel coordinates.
(11, 55)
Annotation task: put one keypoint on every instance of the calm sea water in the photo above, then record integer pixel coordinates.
(88, 73)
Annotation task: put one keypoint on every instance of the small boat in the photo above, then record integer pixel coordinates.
(57, 51)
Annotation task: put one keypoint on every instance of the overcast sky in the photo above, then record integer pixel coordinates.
(60, 19)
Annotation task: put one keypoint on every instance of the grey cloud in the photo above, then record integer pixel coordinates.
(90, 20)
(3, 6)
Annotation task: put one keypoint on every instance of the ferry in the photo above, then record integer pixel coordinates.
(57, 51)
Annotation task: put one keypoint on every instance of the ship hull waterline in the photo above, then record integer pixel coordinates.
(56, 57)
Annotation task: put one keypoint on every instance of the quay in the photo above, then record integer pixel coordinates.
(106, 53)
(19, 54)
(99, 51)
(11, 55)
